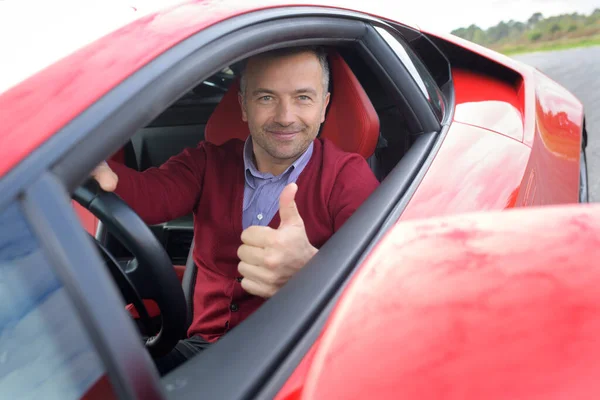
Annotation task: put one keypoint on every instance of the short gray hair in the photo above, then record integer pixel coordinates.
(318, 51)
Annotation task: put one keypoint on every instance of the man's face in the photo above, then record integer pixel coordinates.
(284, 105)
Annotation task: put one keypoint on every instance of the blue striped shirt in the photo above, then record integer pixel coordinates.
(262, 190)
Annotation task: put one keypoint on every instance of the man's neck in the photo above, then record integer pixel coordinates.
(275, 167)
(261, 161)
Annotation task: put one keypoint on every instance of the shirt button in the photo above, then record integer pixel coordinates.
(234, 307)
(259, 216)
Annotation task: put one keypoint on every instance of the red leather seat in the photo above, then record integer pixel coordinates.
(351, 122)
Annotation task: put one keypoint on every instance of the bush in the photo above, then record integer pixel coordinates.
(555, 28)
(535, 36)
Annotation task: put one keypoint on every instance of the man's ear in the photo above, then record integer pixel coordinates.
(243, 107)
(325, 104)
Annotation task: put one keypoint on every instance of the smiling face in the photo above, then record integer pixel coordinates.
(284, 103)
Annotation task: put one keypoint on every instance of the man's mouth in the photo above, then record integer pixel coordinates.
(284, 135)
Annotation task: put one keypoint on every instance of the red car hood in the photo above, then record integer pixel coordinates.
(488, 306)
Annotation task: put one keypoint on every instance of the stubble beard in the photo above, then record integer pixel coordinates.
(283, 151)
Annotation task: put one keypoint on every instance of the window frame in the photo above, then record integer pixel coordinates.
(418, 70)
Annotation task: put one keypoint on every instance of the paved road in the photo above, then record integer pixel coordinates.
(579, 71)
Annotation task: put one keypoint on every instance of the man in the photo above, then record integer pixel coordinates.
(263, 207)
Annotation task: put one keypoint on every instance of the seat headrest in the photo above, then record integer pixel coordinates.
(351, 121)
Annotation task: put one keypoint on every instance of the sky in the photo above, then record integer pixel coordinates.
(452, 14)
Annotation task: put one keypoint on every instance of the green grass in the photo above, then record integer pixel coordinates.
(550, 46)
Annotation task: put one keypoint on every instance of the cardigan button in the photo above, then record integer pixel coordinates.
(234, 307)
(239, 278)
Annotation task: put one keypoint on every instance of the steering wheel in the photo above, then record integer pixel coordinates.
(150, 275)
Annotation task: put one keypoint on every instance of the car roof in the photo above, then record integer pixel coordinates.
(54, 72)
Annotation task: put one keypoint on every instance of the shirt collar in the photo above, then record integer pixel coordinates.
(296, 167)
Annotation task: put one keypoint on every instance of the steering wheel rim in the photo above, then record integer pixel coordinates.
(151, 273)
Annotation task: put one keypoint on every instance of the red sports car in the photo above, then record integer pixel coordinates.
(432, 289)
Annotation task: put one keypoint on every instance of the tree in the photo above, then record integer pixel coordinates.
(473, 33)
(536, 29)
(498, 32)
(534, 19)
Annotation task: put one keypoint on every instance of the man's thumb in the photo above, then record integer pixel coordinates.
(288, 212)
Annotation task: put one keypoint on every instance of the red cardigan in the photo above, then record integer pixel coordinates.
(209, 180)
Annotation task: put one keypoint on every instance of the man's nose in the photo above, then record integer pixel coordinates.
(284, 114)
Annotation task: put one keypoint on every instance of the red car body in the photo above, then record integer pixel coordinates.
(499, 310)
(498, 305)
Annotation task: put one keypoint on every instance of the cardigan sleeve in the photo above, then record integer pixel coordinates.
(170, 191)
(353, 184)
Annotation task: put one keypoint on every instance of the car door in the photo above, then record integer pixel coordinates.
(259, 354)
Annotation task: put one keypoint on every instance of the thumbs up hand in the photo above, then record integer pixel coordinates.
(270, 257)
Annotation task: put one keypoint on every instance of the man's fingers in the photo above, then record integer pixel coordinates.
(251, 255)
(257, 280)
(105, 177)
(257, 288)
(257, 274)
(258, 236)
(288, 212)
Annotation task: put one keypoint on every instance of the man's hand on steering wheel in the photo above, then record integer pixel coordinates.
(150, 275)
(105, 177)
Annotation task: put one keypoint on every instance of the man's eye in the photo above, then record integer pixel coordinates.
(303, 98)
(266, 98)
